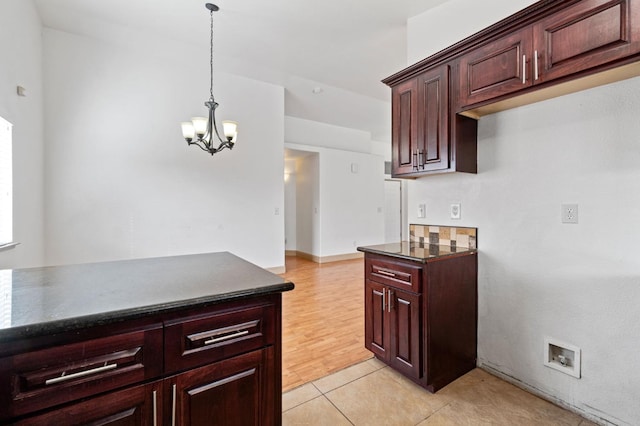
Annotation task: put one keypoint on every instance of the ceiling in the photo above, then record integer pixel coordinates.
(344, 47)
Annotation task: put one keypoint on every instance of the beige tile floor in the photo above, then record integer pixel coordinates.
(370, 393)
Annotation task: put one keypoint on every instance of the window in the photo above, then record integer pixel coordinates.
(6, 183)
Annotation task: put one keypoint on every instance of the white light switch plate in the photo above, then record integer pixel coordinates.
(422, 210)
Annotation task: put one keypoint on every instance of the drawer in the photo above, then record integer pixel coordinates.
(395, 274)
(210, 337)
(68, 372)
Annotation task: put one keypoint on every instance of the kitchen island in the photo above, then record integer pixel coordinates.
(175, 340)
(421, 304)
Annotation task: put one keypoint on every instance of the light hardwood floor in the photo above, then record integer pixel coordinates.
(322, 319)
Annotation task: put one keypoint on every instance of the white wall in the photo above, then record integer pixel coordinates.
(537, 277)
(352, 201)
(120, 180)
(307, 132)
(21, 64)
(448, 23)
(349, 204)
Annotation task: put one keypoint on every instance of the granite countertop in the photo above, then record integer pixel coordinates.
(415, 251)
(53, 299)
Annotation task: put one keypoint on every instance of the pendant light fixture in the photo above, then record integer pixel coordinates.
(203, 131)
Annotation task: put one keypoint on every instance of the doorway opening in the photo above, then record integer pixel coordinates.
(301, 202)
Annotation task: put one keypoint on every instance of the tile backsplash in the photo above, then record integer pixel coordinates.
(453, 236)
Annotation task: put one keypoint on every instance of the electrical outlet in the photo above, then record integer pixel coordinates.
(569, 213)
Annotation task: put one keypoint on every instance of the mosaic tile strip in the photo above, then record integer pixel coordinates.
(444, 235)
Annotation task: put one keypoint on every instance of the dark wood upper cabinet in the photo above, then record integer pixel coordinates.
(581, 38)
(405, 127)
(433, 113)
(586, 35)
(496, 69)
(423, 141)
(549, 49)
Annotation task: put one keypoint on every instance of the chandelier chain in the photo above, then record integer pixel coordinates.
(211, 56)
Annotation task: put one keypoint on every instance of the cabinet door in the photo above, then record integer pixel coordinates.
(585, 35)
(375, 319)
(404, 330)
(229, 392)
(498, 68)
(404, 118)
(433, 120)
(135, 406)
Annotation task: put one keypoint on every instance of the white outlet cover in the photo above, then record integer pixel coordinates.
(569, 213)
(455, 210)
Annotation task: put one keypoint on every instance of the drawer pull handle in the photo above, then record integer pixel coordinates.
(173, 405)
(155, 408)
(227, 337)
(387, 273)
(64, 377)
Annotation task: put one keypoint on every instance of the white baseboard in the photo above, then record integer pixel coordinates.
(326, 259)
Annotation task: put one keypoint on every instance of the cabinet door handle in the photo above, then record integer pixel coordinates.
(65, 377)
(524, 69)
(173, 406)
(535, 65)
(421, 158)
(415, 160)
(227, 337)
(389, 302)
(383, 299)
(155, 408)
(387, 273)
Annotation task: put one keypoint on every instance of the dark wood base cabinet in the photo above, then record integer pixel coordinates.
(216, 365)
(227, 393)
(421, 317)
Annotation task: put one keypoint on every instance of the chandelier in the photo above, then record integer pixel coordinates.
(203, 131)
